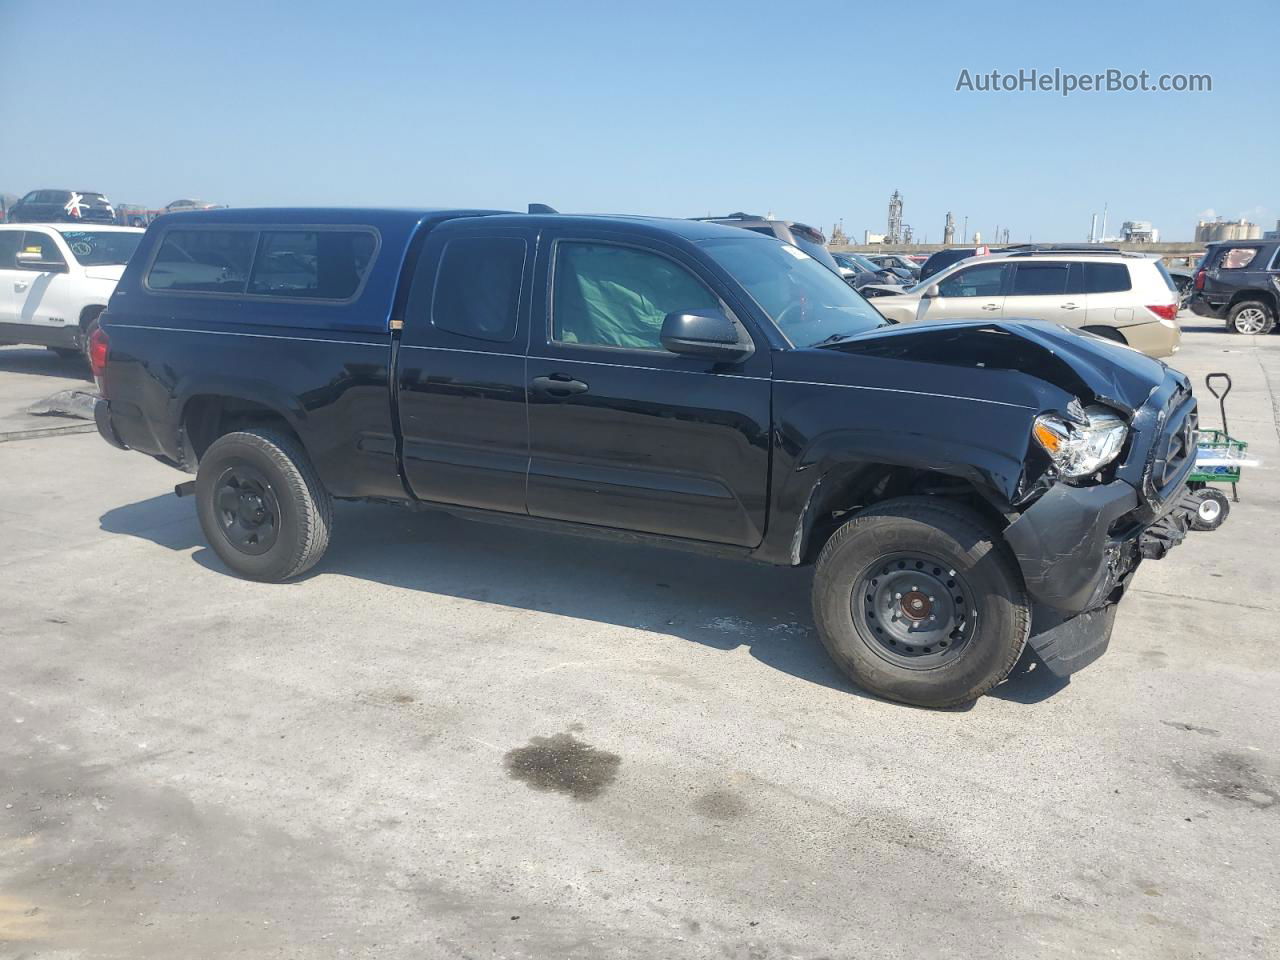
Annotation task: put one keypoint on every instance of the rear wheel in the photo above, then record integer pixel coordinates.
(920, 600)
(261, 505)
(1211, 509)
(1250, 317)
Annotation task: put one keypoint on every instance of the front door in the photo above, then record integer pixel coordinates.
(460, 367)
(1043, 291)
(624, 433)
(45, 295)
(975, 292)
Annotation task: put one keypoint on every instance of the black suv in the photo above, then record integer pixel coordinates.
(56, 206)
(1239, 281)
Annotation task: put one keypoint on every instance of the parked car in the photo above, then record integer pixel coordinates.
(1239, 282)
(940, 260)
(809, 239)
(54, 206)
(963, 489)
(906, 269)
(859, 271)
(186, 206)
(1183, 282)
(55, 280)
(1124, 297)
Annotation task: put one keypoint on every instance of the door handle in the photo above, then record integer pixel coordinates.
(1070, 306)
(559, 385)
(991, 306)
(20, 285)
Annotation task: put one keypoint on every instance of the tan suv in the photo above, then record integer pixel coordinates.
(1128, 298)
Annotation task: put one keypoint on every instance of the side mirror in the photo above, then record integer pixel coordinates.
(33, 261)
(706, 333)
(931, 291)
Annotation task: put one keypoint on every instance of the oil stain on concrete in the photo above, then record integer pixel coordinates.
(1231, 776)
(720, 805)
(563, 764)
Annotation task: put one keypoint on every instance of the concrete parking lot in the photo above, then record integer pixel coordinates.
(458, 740)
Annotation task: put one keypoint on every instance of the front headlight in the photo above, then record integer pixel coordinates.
(1081, 448)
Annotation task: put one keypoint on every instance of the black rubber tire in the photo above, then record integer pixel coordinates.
(1210, 495)
(306, 508)
(1269, 315)
(974, 548)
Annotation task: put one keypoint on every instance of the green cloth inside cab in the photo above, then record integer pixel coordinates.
(618, 297)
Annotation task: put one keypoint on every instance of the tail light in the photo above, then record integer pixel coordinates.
(99, 350)
(1165, 311)
(1199, 281)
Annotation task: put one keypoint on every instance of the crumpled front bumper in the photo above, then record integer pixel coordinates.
(1078, 548)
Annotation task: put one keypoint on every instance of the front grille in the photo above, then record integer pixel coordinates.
(1175, 450)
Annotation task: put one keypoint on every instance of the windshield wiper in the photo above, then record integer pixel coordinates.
(833, 339)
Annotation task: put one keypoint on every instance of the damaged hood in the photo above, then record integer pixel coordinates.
(1087, 366)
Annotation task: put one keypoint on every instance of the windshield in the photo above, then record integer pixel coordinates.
(101, 248)
(806, 301)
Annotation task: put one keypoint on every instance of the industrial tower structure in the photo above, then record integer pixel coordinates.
(894, 233)
(949, 230)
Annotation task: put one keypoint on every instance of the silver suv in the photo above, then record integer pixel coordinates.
(1125, 297)
(809, 239)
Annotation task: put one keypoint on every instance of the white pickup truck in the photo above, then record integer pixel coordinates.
(56, 278)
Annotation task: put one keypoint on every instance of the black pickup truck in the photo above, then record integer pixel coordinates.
(963, 488)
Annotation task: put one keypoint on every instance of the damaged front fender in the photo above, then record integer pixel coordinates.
(1064, 545)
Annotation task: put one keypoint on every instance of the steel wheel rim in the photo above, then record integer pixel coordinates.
(914, 610)
(246, 509)
(1209, 510)
(1250, 320)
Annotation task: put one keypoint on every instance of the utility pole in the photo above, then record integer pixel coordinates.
(964, 237)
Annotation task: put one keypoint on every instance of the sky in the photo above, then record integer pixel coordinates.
(812, 112)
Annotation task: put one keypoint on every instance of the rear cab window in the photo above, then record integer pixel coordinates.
(477, 290)
(296, 263)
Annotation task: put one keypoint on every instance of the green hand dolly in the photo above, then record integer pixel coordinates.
(1219, 459)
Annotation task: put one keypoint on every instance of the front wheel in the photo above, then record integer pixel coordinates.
(919, 600)
(1212, 507)
(261, 505)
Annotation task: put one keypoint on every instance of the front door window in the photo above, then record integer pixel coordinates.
(607, 295)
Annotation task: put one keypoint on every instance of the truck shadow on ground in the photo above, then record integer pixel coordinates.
(719, 603)
(40, 362)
